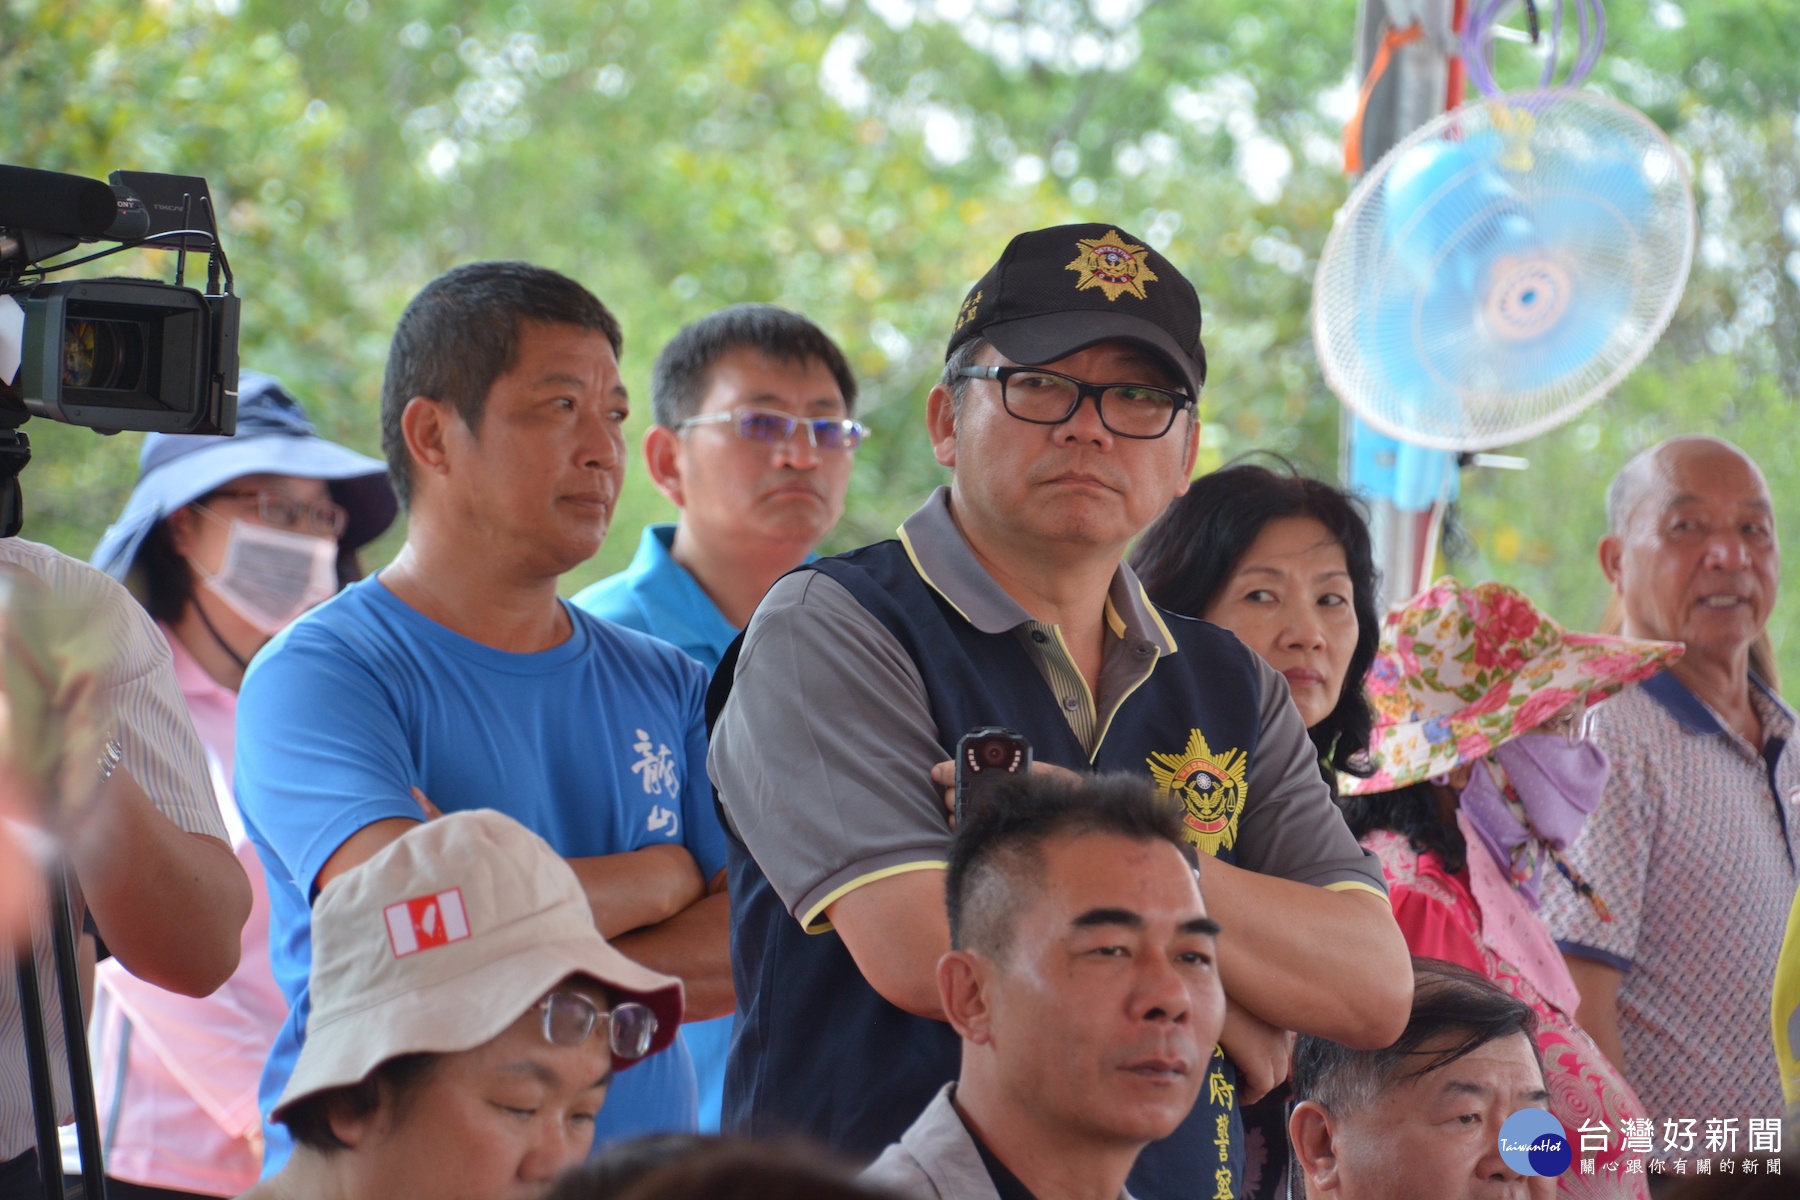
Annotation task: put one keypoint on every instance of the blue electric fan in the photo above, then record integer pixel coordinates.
(1507, 264)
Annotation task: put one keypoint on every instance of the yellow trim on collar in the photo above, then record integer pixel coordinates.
(1355, 885)
(1169, 644)
(1100, 738)
(814, 919)
(1114, 621)
(913, 557)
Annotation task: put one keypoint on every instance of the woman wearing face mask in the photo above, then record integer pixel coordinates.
(1283, 561)
(1480, 779)
(225, 541)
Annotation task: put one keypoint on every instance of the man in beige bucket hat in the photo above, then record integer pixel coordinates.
(467, 1019)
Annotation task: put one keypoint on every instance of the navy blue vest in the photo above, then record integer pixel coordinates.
(816, 1050)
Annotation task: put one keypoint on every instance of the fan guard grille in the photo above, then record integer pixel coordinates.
(1503, 268)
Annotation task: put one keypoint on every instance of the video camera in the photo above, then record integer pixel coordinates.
(109, 354)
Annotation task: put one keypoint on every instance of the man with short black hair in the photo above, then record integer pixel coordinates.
(1420, 1119)
(456, 679)
(753, 442)
(1081, 981)
(1006, 601)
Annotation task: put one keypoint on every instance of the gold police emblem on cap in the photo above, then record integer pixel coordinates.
(1210, 787)
(1113, 265)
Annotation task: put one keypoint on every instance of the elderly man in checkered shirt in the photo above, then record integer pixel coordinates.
(1693, 846)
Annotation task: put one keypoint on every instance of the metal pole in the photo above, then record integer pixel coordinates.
(37, 1061)
(1416, 88)
(37, 1051)
(81, 1072)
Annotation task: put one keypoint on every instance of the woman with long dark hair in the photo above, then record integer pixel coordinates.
(1283, 561)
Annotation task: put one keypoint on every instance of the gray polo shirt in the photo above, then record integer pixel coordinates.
(823, 755)
(1693, 849)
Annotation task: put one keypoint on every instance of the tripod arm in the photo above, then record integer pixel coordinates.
(37, 1051)
(37, 1061)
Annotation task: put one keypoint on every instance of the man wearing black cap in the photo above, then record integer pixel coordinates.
(1068, 414)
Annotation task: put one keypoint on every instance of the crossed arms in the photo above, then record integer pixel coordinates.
(652, 904)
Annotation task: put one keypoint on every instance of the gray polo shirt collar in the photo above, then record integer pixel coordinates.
(1692, 713)
(1697, 718)
(943, 559)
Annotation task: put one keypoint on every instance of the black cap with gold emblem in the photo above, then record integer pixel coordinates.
(1059, 290)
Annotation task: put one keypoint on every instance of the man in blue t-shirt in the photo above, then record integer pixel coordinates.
(457, 679)
(753, 443)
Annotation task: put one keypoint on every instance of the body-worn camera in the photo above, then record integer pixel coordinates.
(109, 354)
(985, 759)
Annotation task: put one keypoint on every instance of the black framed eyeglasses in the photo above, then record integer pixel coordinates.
(773, 428)
(1130, 410)
(570, 1017)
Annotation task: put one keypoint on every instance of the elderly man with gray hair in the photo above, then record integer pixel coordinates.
(1691, 853)
(1424, 1118)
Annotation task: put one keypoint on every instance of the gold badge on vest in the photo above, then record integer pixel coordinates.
(1210, 787)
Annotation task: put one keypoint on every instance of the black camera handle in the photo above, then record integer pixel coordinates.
(36, 271)
(37, 1052)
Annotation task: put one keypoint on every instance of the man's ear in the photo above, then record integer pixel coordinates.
(662, 455)
(1612, 559)
(962, 990)
(425, 424)
(1311, 1133)
(940, 421)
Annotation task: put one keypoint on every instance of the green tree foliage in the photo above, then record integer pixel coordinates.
(863, 161)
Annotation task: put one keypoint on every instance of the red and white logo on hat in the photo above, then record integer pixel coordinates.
(426, 921)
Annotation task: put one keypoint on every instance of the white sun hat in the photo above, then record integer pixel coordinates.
(443, 940)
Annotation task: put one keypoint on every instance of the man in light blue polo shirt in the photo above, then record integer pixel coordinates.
(752, 443)
(456, 679)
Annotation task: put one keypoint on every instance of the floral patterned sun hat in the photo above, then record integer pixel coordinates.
(1462, 669)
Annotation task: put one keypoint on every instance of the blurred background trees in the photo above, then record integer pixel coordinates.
(863, 161)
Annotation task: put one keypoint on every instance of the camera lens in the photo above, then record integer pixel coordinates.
(993, 752)
(102, 354)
